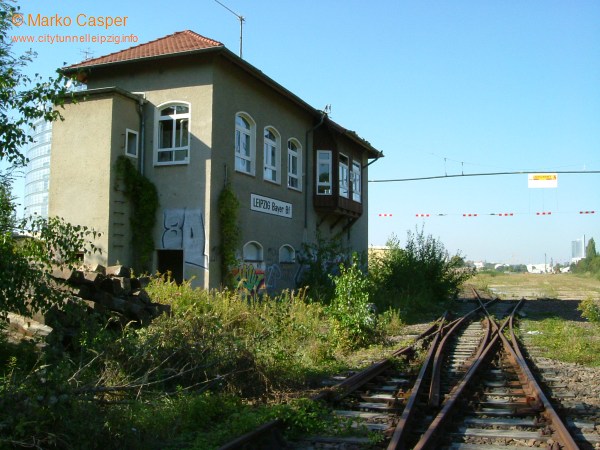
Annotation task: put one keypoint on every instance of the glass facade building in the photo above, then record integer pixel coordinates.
(37, 173)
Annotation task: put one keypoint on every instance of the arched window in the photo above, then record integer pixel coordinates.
(287, 254)
(253, 253)
(173, 134)
(272, 155)
(294, 164)
(245, 137)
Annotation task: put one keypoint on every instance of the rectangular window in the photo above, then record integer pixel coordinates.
(270, 162)
(294, 164)
(324, 170)
(356, 181)
(271, 155)
(173, 139)
(344, 176)
(131, 143)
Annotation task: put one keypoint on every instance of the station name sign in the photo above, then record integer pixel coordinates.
(270, 206)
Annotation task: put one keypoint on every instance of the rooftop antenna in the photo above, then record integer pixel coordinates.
(241, 19)
(87, 53)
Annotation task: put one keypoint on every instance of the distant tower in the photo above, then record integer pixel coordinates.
(577, 250)
(37, 172)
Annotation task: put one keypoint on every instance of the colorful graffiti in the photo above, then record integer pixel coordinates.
(250, 279)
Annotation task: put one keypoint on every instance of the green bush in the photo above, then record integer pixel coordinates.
(355, 321)
(418, 278)
(590, 310)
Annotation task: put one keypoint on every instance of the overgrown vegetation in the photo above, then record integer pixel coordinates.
(422, 276)
(321, 261)
(178, 383)
(590, 310)
(143, 197)
(562, 341)
(30, 249)
(228, 210)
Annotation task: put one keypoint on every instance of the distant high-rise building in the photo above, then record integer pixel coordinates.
(37, 173)
(577, 250)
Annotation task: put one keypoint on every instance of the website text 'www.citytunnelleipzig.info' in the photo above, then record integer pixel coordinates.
(75, 38)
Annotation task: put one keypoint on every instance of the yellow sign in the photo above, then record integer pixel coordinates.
(542, 180)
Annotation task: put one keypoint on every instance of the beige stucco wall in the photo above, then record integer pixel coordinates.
(236, 92)
(82, 183)
(182, 188)
(79, 188)
(125, 116)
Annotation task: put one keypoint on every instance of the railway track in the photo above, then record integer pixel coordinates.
(462, 385)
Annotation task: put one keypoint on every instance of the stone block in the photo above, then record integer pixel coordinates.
(99, 268)
(94, 278)
(118, 271)
(123, 285)
(142, 296)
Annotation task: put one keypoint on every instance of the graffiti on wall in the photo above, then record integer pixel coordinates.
(184, 230)
(249, 279)
(280, 276)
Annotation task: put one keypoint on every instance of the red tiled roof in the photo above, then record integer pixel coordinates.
(180, 42)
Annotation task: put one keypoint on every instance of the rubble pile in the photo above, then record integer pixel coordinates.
(103, 289)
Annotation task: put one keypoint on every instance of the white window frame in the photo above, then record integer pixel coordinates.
(325, 188)
(294, 153)
(272, 156)
(356, 179)
(158, 151)
(344, 176)
(245, 163)
(129, 132)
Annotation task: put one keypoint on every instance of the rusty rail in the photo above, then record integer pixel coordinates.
(565, 439)
(435, 388)
(399, 435)
(428, 440)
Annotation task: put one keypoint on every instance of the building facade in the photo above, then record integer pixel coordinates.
(193, 117)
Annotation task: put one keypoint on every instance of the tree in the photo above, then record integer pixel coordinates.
(590, 249)
(33, 247)
(23, 98)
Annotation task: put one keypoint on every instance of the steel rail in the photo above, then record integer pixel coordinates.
(438, 362)
(565, 438)
(428, 440)
(399, 435)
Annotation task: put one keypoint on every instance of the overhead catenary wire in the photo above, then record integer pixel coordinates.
(463, 175)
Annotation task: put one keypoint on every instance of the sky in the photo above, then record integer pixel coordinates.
(442, 88)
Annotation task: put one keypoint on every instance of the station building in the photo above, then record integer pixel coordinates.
(192, 117)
